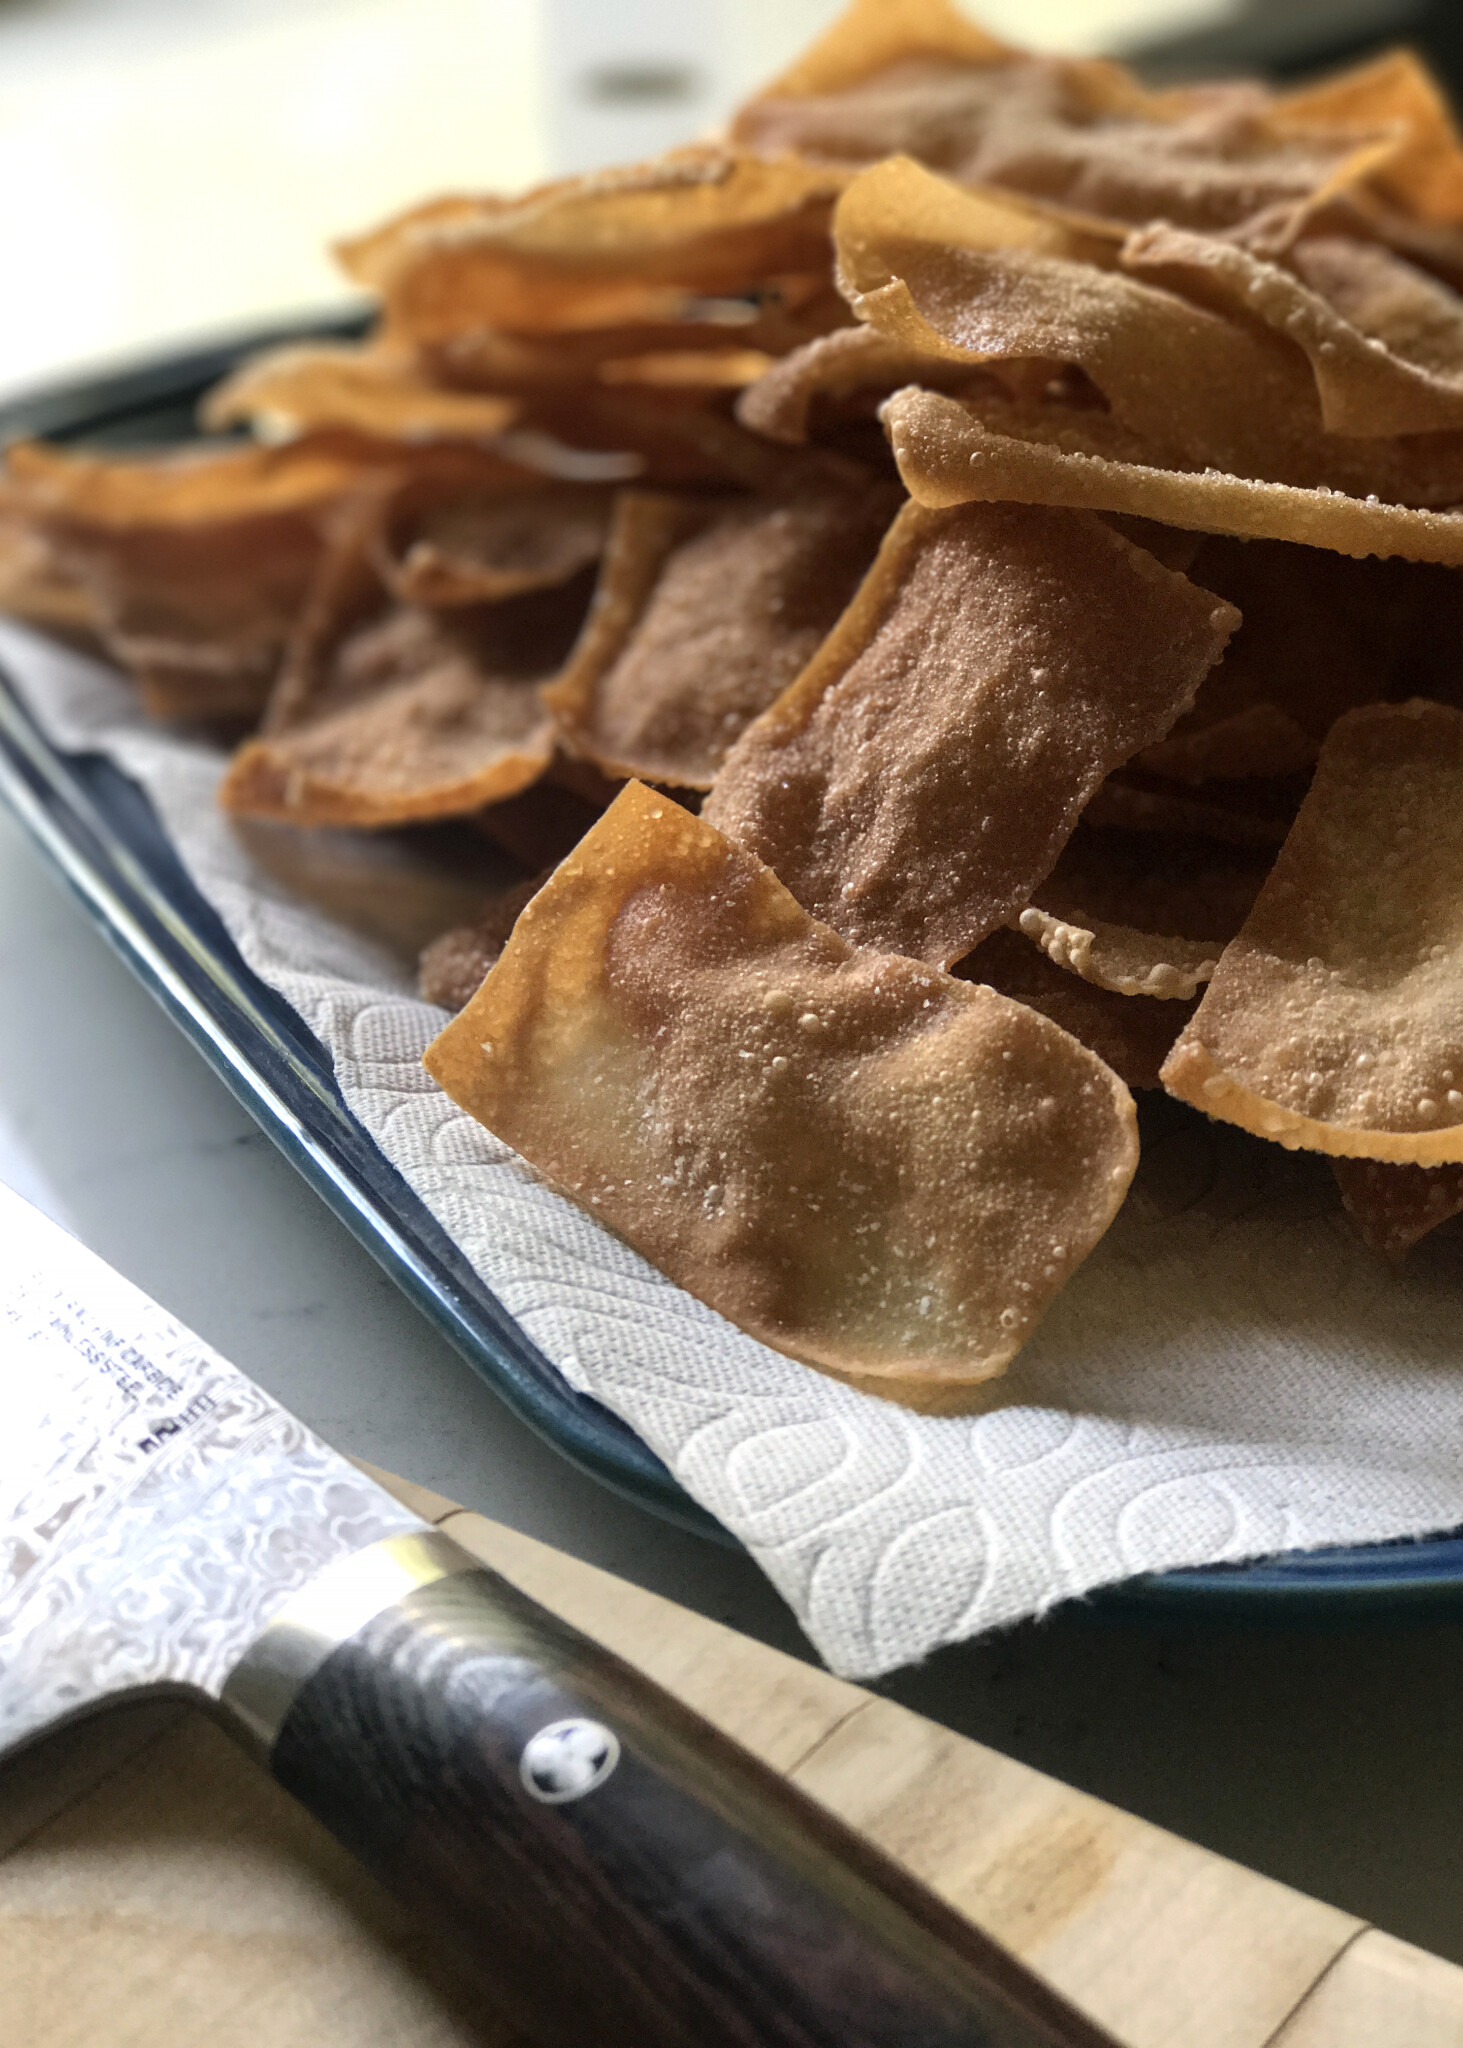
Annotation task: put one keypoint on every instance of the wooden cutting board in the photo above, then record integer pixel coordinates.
(157, 1891)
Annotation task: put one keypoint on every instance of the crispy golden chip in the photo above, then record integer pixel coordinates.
(425, 716)
(452, 967)
(873, 1168)
(1321, 635)
(914, 78)
(1423, 173)
(967, 277)
(195, 563)
(1394, 1207)
(549, 818)
(781, 314)
(362, 390)
(949, 454)
(901, 206)
(921, 776)
(837, 368)
(1133, 1034)
(1188, 388)
(461, 545)
(1334, 1021)
(1384, 340)
(1148, 805)
(1119, 957)
(186, 487)
(36, 585)
(614, 248)
(1435, 247)
(1140, 915)
(669, 369)
(1413, 313)
(706, 610)
(1260, 740)
(670, 437)
(870, 35)
(387, 714)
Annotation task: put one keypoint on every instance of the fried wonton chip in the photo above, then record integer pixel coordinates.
(195, 563)
(362, 390)
(924, 263)
(912, 77)
(1394, 1207)
(1334, 1021)
(37, 586)
(388, 714)
(1384, 340)
(1149, 805)
(967, 277)
(873, 1168)
(474, 546)
(836, 370)
(452, 967)
(953, 452)
(613, 248)
(1260, 740)
(186, 487)
(1321, 635)
(774, 317)
(549, 818)
(1422, 175)
(1132, 1033)
(1141, 915)
(868, 37)
(671, 437)
(707, 608)
(920, 778)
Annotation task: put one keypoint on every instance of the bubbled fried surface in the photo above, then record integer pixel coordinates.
(866, 1164)
(1334, 1020)
(920, 779)
(1132, 1033)
(1143, 914)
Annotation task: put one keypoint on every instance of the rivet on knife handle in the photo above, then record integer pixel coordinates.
(622, 1872)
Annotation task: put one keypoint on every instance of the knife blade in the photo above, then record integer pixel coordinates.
(618, 1869)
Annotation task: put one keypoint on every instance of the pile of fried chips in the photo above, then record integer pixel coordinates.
(952, 592)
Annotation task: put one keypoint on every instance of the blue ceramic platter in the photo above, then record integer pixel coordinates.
(99, 832)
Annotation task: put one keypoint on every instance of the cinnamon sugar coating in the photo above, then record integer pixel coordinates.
(919, 780)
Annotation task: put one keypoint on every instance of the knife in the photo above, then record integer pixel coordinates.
(619, 1871)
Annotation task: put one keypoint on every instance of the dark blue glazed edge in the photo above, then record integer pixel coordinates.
(99, 833)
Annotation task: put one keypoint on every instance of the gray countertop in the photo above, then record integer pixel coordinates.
(1326, 1758)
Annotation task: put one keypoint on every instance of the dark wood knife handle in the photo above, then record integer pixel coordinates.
(632, 1879)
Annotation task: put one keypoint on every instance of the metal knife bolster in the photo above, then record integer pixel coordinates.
(259, 1692)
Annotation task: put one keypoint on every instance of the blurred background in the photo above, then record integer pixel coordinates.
(174, 168)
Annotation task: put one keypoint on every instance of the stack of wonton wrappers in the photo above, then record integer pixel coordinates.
(950, 593)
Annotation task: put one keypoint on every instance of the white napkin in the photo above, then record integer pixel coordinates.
(1229, 1374)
